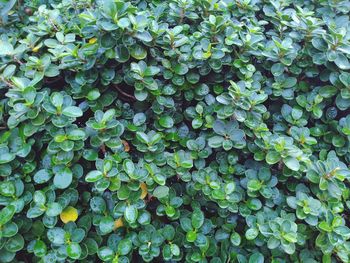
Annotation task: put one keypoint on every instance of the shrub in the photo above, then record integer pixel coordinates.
(175, 131)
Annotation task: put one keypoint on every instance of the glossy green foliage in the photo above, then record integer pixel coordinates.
(209, 131)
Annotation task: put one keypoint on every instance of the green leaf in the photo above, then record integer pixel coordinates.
(144, 218)
(4, 12)
(130, 214)
(108, 115)
(76, 135)
(142, 137)
(15, 243)
(197, 218)
(254, 204)
(181, 69)
(277, 69)
(344, 77)
(105, 253)
(6, 157)
(174, 131)
(106, 224)
(166, 121)
(219, 127)
(72, 111)
(63, 178)
(56, 235)
(292, 163)
(9, 71)
(144, 36)
(328, 91)
(74, 250)
(326, 258)
(151, 71)
(141, 95)
(90, 154)
(53, 209)
(175, 250)
(161, 192)
(139, 119)
(39, 197)
(7, 188)
(56, 99)
(191, 236)
(128, 166)
(6, 48)
(273, 243)
(342, 61)
(170, 211)
(124, 247)
(235, 239)
(166, 252)
(122, 54)
(34, 212)
(93, 94)
(251, 233)
(272, 157)
(93, 176)
(40, 248)
(9, 229)
(338, 141)
(325, 226)
(343, 231)
(20, 83)
(291, 237)
(256, 258)
(6, 214)
(215, 141)
(42, 176)
(123, 22)
(254, 185)
(138, 52)
(186, 224)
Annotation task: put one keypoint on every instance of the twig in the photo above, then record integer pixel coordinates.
(182, 14)
(53, 80)
(17, 60)
(124, 93)
(8, 83)
(53, 24)
(149, 198)
(103, 149)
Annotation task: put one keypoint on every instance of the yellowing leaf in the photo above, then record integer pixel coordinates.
(69, 214)
(126, 146)
(118, 223)
(35, 49)
(207, 54)
(92, 40)
(144, 191)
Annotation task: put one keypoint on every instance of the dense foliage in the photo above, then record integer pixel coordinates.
(182, 130)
